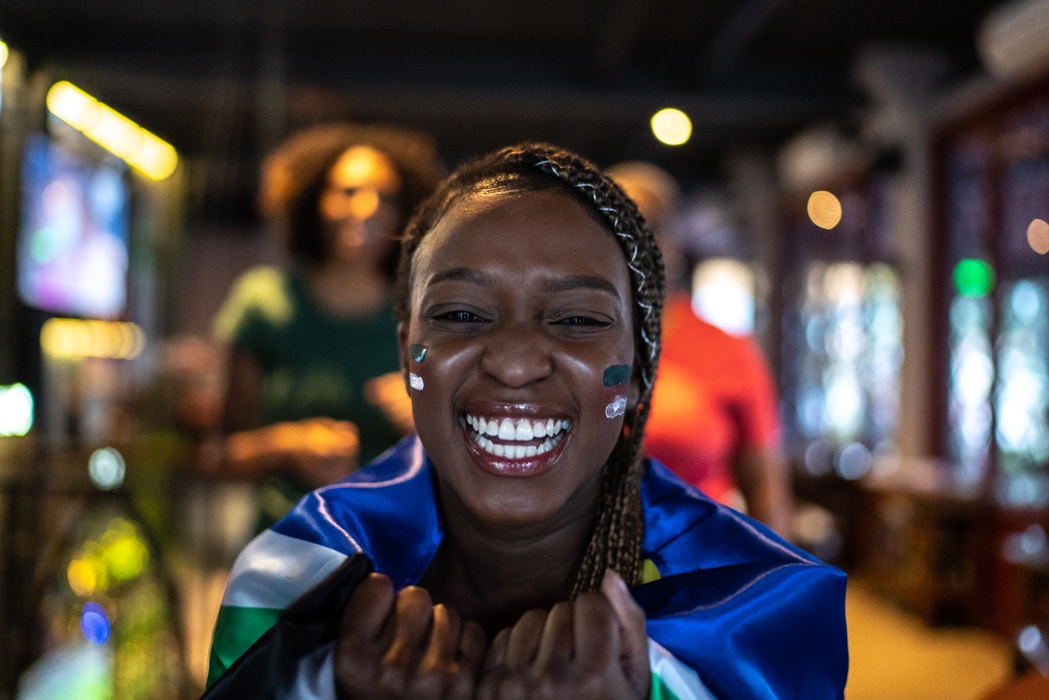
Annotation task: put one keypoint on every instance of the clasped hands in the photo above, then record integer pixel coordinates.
(400, 645)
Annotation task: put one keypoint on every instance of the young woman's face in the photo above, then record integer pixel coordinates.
(358, 206)
(522, 301)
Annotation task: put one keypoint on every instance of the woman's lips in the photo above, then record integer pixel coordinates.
(515, 446)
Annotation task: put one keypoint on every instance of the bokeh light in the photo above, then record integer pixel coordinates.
(106, 468)
(1038, 236)
(4, 53)
(824, 209)
(671, 126)
(723, 294)
(94, 623)
(122, 137)
(76, 338)
(973, 278)
(119, 554)
(16, 410)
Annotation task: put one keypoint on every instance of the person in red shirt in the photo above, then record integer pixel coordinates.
(714, 417)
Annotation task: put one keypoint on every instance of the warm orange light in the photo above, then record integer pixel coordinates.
(364, 203)
(1038, 236)
(824, 209)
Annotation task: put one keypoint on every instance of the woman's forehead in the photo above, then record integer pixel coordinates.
(499, 217)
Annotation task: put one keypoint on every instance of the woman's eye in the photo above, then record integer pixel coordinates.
(459, 316)
(582, 321)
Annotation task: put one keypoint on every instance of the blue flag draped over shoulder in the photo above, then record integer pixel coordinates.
(733, 611)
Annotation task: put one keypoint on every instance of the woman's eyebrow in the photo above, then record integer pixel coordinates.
(573, 282)
(463, 274)
(552, 285)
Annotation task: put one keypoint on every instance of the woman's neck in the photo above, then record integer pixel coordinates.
(344, 288)
(494, 576)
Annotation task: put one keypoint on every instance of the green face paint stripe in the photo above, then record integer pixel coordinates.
(417, 352)
(617, 375)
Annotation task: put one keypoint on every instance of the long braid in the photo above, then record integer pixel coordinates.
(618, 531)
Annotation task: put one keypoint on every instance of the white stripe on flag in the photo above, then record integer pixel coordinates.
(680, 679)
(274, 569)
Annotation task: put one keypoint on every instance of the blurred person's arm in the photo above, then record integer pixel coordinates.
(758, 466)
(320, 450)
(762, 477)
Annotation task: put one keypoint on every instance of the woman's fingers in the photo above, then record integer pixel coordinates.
(596, 632)
(367, 611)
(412, 619)
(400, 645)
(633, 639)
(494, 667)
(507, 666)
(524, 640)
(363, 634)
(555, 647)
(469, 657)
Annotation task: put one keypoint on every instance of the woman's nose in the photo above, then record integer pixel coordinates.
(517, 354)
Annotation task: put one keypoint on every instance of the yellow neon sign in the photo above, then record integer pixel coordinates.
(113, 131)
(73, 338)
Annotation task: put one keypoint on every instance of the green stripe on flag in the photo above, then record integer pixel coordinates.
(672, 679)
(660, 691)
(236, 629)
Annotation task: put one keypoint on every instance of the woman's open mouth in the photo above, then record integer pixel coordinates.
(520, 446)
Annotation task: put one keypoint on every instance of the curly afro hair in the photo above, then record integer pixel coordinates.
(295, 174)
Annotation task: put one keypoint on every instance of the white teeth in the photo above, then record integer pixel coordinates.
(507, 430)
(515, 451)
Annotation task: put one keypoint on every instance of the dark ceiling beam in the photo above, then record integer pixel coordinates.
(182, 99)
(734, 37)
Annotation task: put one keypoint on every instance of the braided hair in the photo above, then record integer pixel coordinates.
(616, 539)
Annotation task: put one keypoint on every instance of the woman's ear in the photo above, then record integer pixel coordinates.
(402, 353)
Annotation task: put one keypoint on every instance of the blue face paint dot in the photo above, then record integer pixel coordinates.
(617, 375)
(417, 352)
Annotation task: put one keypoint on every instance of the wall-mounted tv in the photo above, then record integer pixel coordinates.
(72, 243)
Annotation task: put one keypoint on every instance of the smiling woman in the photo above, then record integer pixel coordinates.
(522, 545)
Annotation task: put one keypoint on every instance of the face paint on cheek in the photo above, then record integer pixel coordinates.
(417, 352)
(616, 408)
(617, 375)
(415, 381)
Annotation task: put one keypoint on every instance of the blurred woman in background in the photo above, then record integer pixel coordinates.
(313, 388)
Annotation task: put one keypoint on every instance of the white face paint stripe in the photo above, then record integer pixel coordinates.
(616, 408)
(416, 381)
(274, 569)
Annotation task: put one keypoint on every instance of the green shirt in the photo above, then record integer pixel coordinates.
(313, 364)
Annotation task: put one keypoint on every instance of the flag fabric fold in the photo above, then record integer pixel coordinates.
(733, 611)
